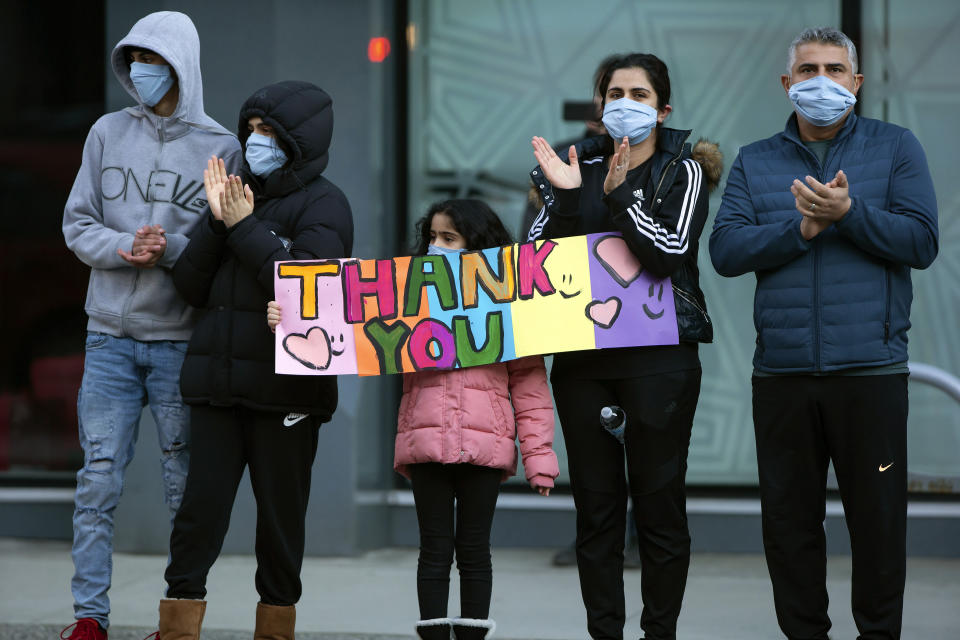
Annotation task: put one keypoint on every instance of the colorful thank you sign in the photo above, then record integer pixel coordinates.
(372, 317)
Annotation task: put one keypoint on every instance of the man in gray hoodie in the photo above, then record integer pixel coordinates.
(137, 196)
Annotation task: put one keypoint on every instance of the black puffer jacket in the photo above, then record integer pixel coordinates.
(298, 215)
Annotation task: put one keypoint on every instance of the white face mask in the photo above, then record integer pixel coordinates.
(626, 117)
(820, 100)
(152, 81)
(264, 155)
(434, 250)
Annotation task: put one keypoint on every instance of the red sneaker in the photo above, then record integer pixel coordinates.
(85, 629)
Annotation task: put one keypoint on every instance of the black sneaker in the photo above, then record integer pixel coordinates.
(566, 557)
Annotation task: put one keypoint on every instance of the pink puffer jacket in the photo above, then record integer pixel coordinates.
(465, 415)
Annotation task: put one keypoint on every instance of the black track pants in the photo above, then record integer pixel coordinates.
(859, 422)
(659, 413)
(224, 441)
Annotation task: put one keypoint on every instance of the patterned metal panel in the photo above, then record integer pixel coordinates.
(912, 50)
(487, 76)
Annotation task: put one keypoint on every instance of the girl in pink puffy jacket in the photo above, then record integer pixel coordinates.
(456, 439)
(456, 442)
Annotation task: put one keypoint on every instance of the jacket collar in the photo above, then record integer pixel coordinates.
(672, 140)
(792, 131)
(671, 144)
(669, 140)
(168, 128)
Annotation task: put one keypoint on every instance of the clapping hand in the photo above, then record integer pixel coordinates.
(214, 180)
(619, 164)
(236, 201)
(560, 174)
(821, 204)
(149, 244)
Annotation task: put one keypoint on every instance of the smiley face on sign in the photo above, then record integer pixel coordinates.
(655, 315)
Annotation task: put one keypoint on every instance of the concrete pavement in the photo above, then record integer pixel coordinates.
(373, 596)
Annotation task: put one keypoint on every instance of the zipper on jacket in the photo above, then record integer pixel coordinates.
(128, 301)
(817, 315)
(818, 348)
(886, 310)
(817, 254)
(136, 271)
(160, 135)
(817, 310)
(666, 170)
(689, 298)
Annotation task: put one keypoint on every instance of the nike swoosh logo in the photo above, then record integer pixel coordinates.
(294, 418)
(884, 468)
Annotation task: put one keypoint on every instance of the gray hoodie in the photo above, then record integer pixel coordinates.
(139, 169)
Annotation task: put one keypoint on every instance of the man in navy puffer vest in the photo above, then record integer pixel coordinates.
(831, 215)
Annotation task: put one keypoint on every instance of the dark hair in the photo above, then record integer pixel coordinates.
(129, 49)
(600, 70)
(473, 219)
(654, 66)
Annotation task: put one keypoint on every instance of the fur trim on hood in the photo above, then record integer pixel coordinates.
(710, 157)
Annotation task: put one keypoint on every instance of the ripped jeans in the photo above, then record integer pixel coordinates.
(120, 377)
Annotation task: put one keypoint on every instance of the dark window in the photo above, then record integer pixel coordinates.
(53, 92)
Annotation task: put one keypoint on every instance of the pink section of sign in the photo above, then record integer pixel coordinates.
(321, 346)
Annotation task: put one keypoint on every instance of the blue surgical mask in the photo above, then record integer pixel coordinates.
(626, 117)
(152, 81)
(820, 100)
(434, 250)
(263, 155)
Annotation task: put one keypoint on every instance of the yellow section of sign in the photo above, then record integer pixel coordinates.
(557, 321)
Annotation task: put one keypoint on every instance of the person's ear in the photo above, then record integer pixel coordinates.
(663, 113)
(785, 81)
(857, 82)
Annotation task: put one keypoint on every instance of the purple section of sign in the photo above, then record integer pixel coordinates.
(630, 306)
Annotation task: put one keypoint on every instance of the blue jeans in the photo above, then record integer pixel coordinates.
(120, 377)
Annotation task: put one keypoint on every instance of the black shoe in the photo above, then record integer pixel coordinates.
(566, 557)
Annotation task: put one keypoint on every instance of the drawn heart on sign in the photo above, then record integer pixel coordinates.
(605, 313)
(311, 350)
(613, 255)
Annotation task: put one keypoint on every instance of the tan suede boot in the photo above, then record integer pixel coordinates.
(275, 622)
(181, 619)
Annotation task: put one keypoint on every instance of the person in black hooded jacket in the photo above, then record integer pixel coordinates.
(242, 413)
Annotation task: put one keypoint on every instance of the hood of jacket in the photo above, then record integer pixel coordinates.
(172, 35)
(301, 115)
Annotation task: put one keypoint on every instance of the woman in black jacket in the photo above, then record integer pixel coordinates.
(242, 413)
(644, 181)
